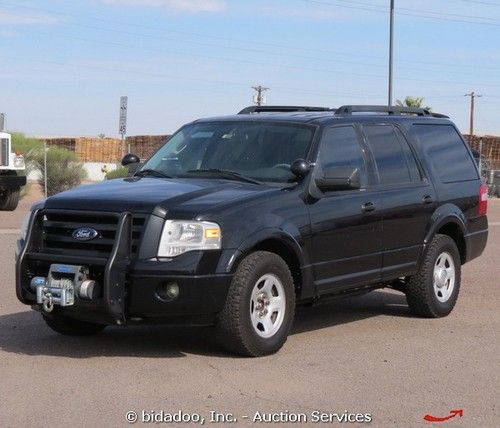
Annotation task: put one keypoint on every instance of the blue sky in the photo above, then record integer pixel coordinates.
(65, 64)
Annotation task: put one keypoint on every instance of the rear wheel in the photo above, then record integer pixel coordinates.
(72, 327)
(259, 308)
(433, 291)
(9, 198)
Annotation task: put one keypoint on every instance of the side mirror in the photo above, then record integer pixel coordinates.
(129, 159)
(339, 178)
(300, 167)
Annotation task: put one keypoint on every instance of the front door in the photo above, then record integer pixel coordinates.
(346, 224)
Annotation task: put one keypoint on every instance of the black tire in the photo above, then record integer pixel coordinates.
(9, 199)
(420, 295)
(72, 327)
(234, 325)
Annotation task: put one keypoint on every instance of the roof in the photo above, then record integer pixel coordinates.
(323, 115)
(305, 117)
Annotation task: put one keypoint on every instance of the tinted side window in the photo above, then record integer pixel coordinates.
(389, 155)
(447, 152)
(410, 158)
(339, 148)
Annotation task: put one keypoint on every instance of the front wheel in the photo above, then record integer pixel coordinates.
(9, 199)
(433, 291)
(260, 306)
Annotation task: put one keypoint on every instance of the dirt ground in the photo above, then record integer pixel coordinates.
(365, 354)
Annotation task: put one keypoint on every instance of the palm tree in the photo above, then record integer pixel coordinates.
(417, 102)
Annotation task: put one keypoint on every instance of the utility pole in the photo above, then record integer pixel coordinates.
(472, 96)
(259, 98)
(391, 48)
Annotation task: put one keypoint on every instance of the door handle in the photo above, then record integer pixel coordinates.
(427, 199)
(369, 206)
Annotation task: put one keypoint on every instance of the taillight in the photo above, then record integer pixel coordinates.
(483, 200)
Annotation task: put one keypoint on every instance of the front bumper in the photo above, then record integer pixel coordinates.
(12, 181)
(131, 287)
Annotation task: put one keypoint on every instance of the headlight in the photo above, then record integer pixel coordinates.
(180, 236)
(19, 162)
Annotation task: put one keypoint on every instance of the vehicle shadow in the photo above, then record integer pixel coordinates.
(25, 333)
(350, 309)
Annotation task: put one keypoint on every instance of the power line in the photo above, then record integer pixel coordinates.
(285, 89)
(128, 46)
(487, 3)
(440, 16)
(360, 75)
(280, 46)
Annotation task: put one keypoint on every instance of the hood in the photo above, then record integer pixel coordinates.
(144, 194)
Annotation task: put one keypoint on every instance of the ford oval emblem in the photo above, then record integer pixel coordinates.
(85, 234)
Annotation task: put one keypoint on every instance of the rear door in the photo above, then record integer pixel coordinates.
(345, 224)
(407, 198)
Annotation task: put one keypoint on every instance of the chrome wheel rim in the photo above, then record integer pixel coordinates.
(444, 277)
(267, 305)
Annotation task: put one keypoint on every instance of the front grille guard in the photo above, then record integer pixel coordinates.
(115, 267)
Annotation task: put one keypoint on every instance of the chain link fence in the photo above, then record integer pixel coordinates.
(101, 155)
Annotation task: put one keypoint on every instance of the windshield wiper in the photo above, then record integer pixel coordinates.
(225, 173)
(151, 172)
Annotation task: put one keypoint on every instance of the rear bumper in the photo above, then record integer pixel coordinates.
(475, 244)
(12, 181)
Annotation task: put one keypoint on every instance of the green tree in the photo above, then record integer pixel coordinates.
(417, 102)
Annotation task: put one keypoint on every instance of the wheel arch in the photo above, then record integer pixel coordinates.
(283, 244)
(455, 232)
(450, 221)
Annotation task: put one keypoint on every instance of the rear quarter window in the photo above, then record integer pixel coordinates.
(446, 152)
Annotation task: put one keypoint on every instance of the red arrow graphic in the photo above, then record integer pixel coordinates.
(453, 413)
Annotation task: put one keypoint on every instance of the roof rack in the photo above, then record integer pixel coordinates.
(394, 110)
(282, 109)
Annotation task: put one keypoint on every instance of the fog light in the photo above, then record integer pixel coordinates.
(168, 292)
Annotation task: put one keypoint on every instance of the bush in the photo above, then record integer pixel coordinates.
(64, 171)
(121, 172)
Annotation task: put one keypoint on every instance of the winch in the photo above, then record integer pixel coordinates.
(62, 284)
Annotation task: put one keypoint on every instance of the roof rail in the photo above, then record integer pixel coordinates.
(394, 110)
(282, 109)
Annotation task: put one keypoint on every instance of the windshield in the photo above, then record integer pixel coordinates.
(261, 151)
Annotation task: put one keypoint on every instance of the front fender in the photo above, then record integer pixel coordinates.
(250, 242)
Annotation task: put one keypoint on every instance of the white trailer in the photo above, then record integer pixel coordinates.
(12, 177)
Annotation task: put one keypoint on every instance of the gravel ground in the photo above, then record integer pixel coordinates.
(365, 354)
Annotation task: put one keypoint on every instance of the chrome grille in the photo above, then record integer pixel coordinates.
(4, 151)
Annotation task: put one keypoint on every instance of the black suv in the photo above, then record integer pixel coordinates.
(238, 219)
